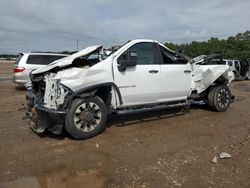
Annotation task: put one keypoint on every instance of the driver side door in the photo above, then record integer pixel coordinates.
(138, 84)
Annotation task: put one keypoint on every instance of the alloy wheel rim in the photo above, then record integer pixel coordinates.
(223, 97)
(87, 116)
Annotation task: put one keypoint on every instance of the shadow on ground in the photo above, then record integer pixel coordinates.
(132, 119)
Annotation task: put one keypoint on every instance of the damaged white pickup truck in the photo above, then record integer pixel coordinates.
(78, 92)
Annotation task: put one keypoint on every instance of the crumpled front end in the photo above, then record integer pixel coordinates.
(46, 105)
(206, 75)
(51, 89)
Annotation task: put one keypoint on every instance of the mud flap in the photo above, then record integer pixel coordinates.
(34, 123)
(42, 119)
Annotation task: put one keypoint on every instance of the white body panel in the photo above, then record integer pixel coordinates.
(174, 83)
(205, 75)
(77, 78)
(137, 86)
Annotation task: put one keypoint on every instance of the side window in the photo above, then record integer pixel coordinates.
(230, 63)
(42, 59)
(171, 58)
(144, 52)
(166, 56)
(237, 65)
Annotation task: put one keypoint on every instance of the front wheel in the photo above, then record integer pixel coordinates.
(86, 118)
(219, 98)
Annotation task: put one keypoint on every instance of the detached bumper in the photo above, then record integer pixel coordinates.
(42, 118)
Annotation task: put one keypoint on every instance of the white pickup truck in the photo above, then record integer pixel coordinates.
(79, 91)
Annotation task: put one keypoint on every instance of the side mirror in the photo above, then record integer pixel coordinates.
(130, 61)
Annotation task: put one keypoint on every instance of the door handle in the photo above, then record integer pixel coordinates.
(153, 71)
(187, 71)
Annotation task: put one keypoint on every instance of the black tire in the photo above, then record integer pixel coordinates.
(248, 75)
(83, 121)
(219, 98)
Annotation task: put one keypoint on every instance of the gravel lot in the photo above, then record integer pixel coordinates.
(159, 149)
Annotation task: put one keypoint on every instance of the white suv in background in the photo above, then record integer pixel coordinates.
(26, 62)
(241, 69)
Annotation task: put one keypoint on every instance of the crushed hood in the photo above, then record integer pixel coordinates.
(67, 60)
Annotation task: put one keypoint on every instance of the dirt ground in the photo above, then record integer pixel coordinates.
(158, 149)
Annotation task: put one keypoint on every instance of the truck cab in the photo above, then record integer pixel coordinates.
(139, 71)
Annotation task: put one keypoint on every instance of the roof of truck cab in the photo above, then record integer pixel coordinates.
(132, 42)
(143, 40)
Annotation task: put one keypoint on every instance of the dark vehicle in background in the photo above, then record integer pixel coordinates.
(26, 62)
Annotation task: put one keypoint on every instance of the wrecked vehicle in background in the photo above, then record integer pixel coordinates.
(241, 69)
(238, 69)
(214, 59)
(78, 92)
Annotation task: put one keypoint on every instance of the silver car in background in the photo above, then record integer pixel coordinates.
(26, 62)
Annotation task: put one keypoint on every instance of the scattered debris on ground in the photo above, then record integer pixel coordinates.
(224, 155)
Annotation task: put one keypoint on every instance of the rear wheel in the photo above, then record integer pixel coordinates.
(86, 118)
(219, 98)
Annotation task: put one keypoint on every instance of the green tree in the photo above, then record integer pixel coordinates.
(234, 47)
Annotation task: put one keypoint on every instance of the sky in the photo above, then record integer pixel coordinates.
(55, 25)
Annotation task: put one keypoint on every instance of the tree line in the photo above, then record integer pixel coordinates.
(8, 56)
(234, 47)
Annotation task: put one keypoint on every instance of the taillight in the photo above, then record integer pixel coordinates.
(18, 69)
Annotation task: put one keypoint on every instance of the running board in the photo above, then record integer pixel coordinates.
(153, 108)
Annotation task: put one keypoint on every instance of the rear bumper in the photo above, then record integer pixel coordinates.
(42, 118)
(20, 78)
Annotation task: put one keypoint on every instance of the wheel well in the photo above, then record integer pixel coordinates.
(102, 90)
(105, 94)
(221, 80)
